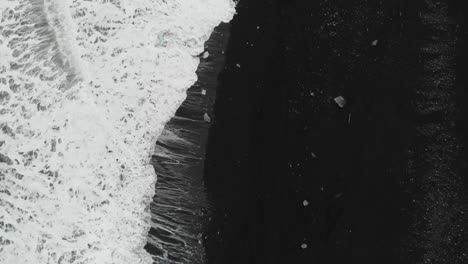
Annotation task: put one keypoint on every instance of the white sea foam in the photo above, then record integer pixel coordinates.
(86, 87)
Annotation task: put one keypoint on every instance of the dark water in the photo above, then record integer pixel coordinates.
(180, 207)
(384, 178)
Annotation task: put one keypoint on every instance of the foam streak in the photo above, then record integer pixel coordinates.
(84, 94)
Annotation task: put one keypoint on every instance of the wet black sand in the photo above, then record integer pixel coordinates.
(180, 207)
(384, 177)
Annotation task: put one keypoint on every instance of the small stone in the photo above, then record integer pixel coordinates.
(374, 43)
(238, 65)
(305, 203)
(303, 245)
(340, 101)
(203, 92)
(205, 54)
(207, 118)
(338, 195)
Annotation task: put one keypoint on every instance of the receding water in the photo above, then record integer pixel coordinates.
(180, 207)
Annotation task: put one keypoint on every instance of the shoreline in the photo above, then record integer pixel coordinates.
(180, 207)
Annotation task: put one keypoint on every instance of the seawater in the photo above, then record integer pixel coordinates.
(86, 88)
(180, 207)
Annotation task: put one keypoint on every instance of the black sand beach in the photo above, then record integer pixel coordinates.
(295, 178)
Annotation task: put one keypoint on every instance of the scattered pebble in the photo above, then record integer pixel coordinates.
(238, 65)
(338, 195)
(374, 43)
(207, 118)
(340, 101)
(203, 92)
(305, 203)
(313, 155)
(205, 54)
(304, 246)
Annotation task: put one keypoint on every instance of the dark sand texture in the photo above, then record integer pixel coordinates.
(384, 177)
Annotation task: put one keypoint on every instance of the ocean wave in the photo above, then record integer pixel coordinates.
(86, 88)
(181, 210)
